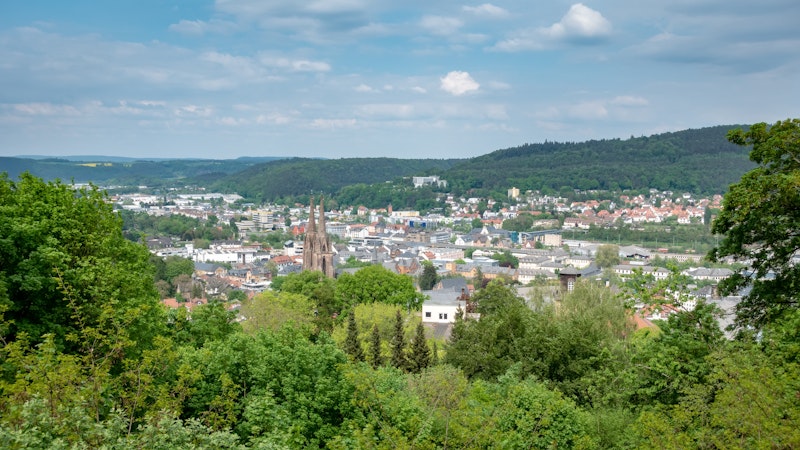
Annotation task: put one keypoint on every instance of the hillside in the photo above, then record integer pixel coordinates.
(301, 176)
(124, 171)
(699, 161)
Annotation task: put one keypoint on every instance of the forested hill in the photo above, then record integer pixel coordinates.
(301, 176)
(698, 161)
(125, 171)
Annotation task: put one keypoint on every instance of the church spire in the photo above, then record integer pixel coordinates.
(322, 213)
(312, 227)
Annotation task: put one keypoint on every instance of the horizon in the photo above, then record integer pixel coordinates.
(337, 79)
(97, 157)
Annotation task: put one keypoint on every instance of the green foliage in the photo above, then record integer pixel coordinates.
(666, 367)
(692, 160)
(377, 284)
(175, 266)
(209, 322)
(759, 221)
(137, 225)
(352, 344)
(523, 222)
(287, 383)
(506, 259)
(533, 416)
(419, 357)
(320, 290)
(607, 256)
(375, 356)
(269, 310)
(66, 267)
(429, 277)
(299, 176)
(398, 343)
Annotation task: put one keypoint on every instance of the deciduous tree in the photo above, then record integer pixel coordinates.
(760, 221)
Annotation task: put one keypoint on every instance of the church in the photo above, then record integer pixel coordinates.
(317, 250)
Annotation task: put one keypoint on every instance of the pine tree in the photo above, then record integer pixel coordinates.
(399, 343)
(352, 345)
(376, 359)
(420, 353)
(435, 354)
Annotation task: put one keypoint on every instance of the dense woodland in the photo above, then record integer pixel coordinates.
(89, 358)
(699, 161)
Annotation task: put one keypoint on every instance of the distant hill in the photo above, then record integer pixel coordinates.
(301, 176)
(699, 161)
(104, 170)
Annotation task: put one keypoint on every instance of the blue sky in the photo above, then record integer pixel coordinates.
(407, 79)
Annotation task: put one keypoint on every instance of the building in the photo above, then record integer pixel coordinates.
(433, 180)
(317, 248)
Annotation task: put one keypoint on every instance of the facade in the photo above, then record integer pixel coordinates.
(317, 248)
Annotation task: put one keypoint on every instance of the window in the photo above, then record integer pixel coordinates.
(427, 314)
(442, 316)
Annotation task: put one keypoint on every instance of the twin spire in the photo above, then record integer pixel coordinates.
(312, 226)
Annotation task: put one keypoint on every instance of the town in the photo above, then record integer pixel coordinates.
(467, 244)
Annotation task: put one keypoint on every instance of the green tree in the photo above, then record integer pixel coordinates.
(210, 322)
(398, 343)
(270, 310)
(66, 267)
(607, 256)
(352, 345)
(176, 265)
(377, 284)
(317, 287)
(429, 277)
(375, 355)
(420, 355)
(760, 222)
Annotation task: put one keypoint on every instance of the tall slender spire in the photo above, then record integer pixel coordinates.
(322, 213)
(312, 227)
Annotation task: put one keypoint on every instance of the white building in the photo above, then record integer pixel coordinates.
(422, 181)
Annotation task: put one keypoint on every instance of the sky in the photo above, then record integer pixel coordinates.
(384, 78)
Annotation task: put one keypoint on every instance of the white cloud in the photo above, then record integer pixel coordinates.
(441, 25)
(296, 65)
(419, 90)
(580, 22)
(629, 100)
(401, 111)
(273, 118)
(335, 6)
(332, 124)
(364, 88)
(487, 10)
(458, 83)
(45, 109)
(201, 27)
(193, 111)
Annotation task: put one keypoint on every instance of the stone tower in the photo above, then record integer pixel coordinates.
(317, 250)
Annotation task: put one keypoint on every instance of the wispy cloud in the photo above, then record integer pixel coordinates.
(487, 10)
